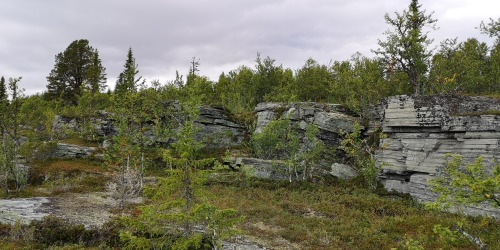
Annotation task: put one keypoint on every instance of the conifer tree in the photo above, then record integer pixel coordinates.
(96, 74)
(178, 205)
(10, 114)
(76, 68)
(3, 115)
(128, 80)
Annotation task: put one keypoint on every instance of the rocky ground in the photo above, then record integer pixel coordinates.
(89, 209)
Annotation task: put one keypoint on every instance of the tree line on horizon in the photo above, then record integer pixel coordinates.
(404, 64)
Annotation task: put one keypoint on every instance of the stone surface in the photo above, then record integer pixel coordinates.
(343, 171)
(420, 131)
(71, 151)
(23, 210)
(330, 119)
(217, 128)
(266, 169)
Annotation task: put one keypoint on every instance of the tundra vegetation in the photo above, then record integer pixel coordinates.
(192, 201)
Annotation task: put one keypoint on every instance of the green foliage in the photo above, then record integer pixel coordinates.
(492, 28)
(361, 155)
(360, 82)
(75, 69)
(178, 206)
(467, 185)
(278, 140)
(10, 111)
(234, 90)
(313, 82)
(123, 156)
(88, 111)
(447, 235)
(127, 80)
(406, 46)
(462, 68)
(38, 115)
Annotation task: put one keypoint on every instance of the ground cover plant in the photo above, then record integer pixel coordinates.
(300, 215)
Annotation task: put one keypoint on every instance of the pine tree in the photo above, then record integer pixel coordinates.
(75, 68)
(177, 208)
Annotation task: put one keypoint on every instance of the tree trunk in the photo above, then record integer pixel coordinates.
(6, 169)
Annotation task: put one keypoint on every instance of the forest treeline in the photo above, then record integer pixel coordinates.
(404, 63)
(469, 67)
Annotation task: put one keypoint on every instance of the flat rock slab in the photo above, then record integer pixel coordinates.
(23, 210)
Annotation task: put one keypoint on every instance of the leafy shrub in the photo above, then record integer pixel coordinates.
(471, 184)
(361, 155)
(278, 140)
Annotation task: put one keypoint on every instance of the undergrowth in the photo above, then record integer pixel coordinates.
(341, 216)
(281, 215)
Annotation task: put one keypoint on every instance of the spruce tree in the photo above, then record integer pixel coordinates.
(128, 80)
(96, 74)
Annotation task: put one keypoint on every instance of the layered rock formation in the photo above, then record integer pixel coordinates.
(330, 119)
(217, 129)
(422, 130)
(71, 151)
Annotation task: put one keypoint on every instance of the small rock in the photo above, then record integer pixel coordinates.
(343, 171)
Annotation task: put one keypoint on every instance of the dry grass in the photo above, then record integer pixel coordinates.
(54, 177)
(69, 166)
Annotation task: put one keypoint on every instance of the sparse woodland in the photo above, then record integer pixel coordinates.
(191, 200)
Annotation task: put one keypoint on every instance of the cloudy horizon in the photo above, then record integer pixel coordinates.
(222, 34)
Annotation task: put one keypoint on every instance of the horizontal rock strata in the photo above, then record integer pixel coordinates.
(420, 131)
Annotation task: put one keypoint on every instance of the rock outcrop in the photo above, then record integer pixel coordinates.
(330, 119)
(71, 151)
(422, 130)
(23, 210)
(217, 129)
(266, 169)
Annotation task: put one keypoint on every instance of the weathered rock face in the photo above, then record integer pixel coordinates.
(70, 151)
(422, 130)
(266, 169)
(343, 171)
(217, 129)
(331, 119)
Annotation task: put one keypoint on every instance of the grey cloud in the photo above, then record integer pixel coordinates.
(223, 34)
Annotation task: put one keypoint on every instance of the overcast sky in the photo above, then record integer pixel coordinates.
(223, 34)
